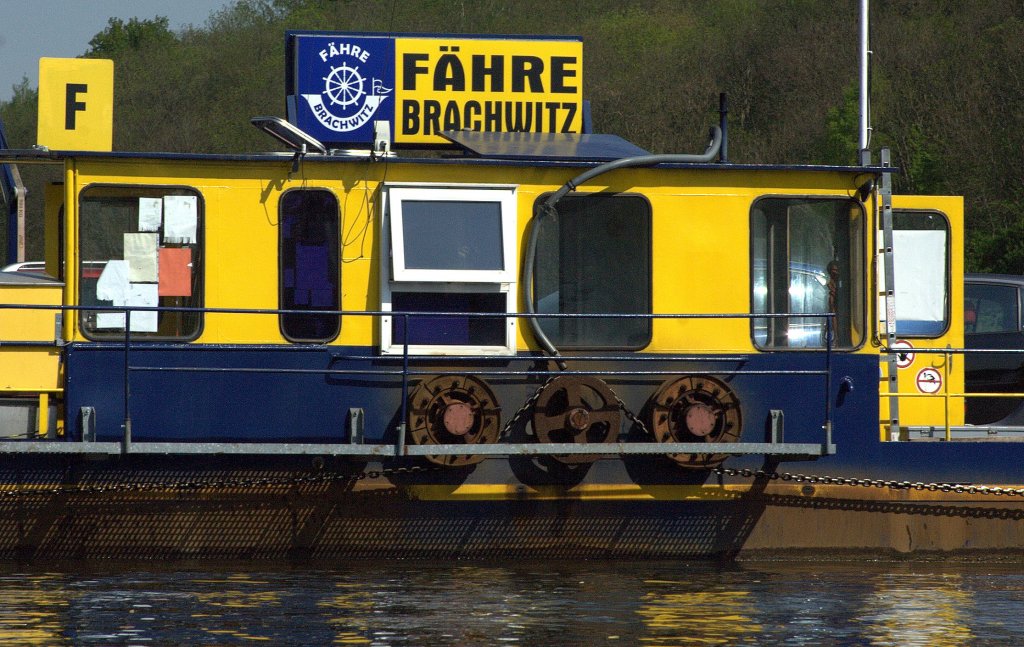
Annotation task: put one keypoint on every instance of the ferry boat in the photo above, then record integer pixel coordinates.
(450, 321)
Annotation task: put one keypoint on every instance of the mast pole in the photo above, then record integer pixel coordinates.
(865, 53)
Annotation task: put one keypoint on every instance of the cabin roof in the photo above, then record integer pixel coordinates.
(28, 156)
(544, 146)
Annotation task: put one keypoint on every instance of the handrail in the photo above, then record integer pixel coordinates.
(410, 361)
(947, 394)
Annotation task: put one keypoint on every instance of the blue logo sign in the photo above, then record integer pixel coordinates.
(342, 85)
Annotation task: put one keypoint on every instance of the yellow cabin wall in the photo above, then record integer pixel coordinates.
(701, 259)
(700, 222)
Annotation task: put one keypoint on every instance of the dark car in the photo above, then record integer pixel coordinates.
(992, 320)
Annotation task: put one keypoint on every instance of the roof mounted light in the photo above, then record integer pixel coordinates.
(295, 139)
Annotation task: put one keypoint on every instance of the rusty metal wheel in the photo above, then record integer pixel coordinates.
(452, 410)
(576, 409)
(695, 409)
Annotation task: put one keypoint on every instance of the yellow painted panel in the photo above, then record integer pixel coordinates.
(486, 85)
(916, 411)
(701, 267)
(29, 325)
(76, 104)
(28, 368)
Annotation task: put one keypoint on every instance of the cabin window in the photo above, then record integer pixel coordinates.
(805, 259)
(920, 241)
(451, 254)
(140, 247)
(309, 277)
(594, 257)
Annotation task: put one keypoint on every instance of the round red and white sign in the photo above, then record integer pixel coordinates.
(903, 360)
(929, 380)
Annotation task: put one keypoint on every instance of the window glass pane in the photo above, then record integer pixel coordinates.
(452, 235)
(805, 258)
(594, 257)
(140, 247)
(309, 264)
(453, 330)
(990, 308)
(920, 259)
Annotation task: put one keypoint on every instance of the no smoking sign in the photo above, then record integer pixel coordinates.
(904, 358)
(929, 380)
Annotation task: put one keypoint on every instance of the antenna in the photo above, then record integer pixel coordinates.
(865, 101)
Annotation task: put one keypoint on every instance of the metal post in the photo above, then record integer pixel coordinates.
(723, 123)
(865, 103)
(828, 380)
(405, 385)
(945, 392)
(20, 193)
(126, 441)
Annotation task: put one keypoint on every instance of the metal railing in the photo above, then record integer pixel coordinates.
(948, 430)
(408, 360)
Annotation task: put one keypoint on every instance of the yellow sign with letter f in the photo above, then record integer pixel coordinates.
(76, 104)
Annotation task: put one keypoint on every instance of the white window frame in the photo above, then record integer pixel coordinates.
(504, 196)
(395, 277)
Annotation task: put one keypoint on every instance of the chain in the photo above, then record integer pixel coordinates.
(875, 483)
(527, 406)
(632, 416)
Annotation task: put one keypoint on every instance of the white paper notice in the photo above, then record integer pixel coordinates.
(150, 214)
(180, 217)
(140, 252)
(113, 284)
(110, 320)
(143, 295)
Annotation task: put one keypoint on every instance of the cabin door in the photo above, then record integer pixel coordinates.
(927, 257)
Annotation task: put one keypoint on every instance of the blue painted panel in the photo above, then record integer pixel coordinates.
(311, 407)
(342, 84)
(222, 397)
(229, 402)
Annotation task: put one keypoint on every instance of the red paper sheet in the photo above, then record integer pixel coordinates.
(175, 272)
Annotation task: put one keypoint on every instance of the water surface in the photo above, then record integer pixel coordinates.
(540, 603)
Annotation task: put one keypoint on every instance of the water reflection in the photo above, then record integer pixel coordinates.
(564, 603)
(28, 614)
(915, 609)
(679, 612)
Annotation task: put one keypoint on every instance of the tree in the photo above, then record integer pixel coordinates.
(120, 37)
(947, 96)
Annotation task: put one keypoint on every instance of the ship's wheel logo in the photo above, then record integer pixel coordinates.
(344, 85)
(346, 103)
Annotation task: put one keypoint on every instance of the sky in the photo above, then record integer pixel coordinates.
(30, 29)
